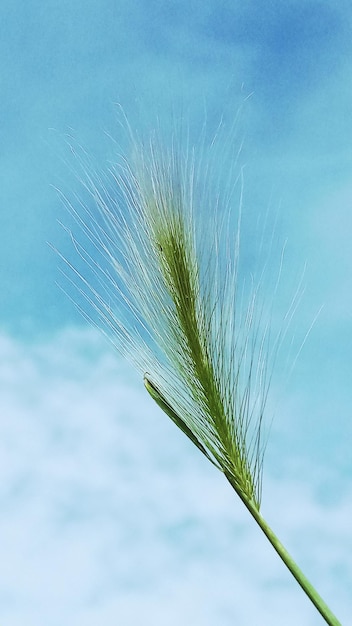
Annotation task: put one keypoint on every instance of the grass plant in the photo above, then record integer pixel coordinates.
(162, 276)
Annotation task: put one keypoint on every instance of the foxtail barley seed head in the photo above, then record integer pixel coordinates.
(161, 276)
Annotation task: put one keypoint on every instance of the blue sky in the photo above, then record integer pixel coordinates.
(107, 514)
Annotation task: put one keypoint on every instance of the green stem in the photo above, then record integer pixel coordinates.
(292, 566)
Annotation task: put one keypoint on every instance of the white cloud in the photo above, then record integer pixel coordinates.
(108, 515)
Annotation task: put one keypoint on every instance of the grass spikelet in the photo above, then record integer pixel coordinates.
(170, 303)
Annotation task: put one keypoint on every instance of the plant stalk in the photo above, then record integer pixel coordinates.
(307, 587)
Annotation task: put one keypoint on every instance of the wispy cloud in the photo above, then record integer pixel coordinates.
(109, 514)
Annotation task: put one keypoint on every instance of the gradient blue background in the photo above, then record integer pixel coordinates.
(107, 514)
